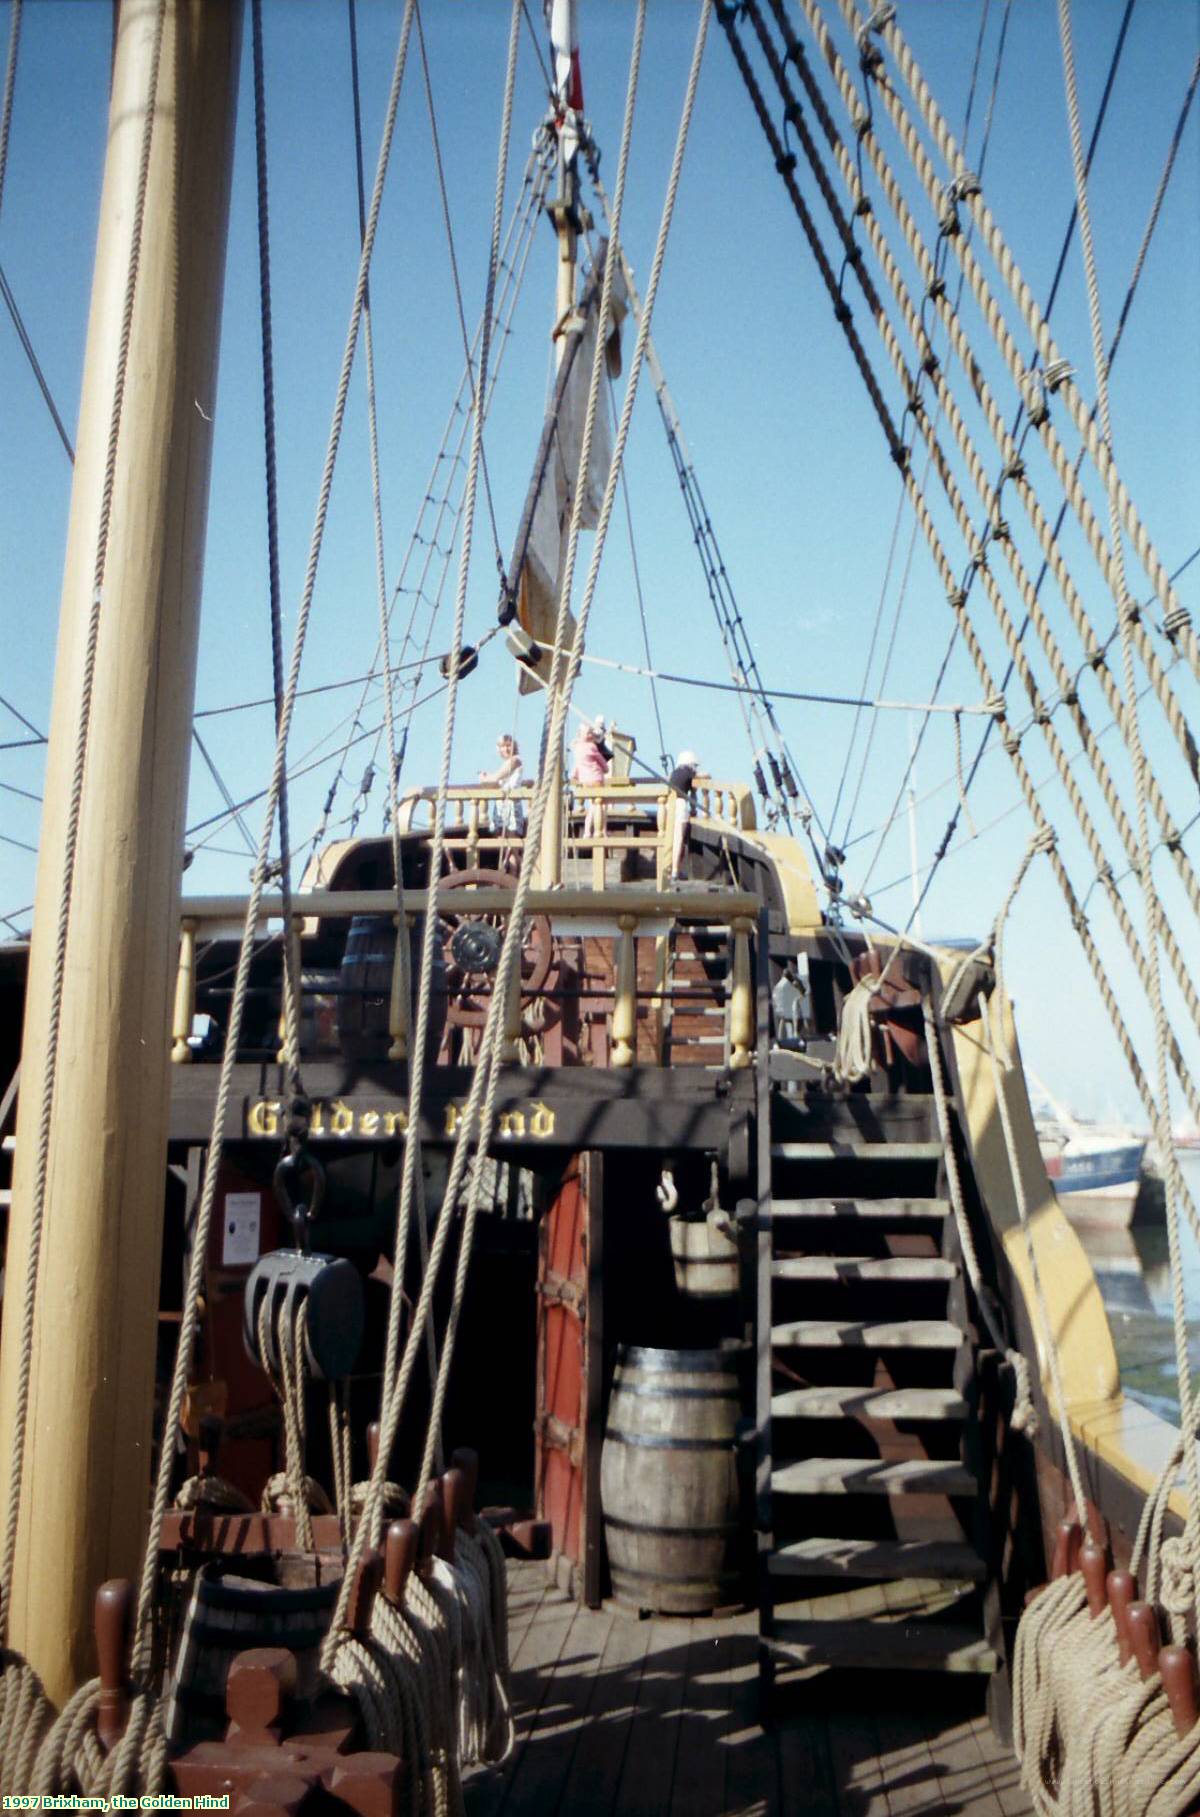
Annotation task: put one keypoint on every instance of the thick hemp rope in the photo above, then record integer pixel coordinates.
(560, 688)
(989, 494)
(1152, 905)
(143, 1632)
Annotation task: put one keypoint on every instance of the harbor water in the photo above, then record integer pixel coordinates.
(1132, 1269)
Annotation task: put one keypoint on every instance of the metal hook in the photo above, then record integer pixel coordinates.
(299, 1208)
(666, 1192)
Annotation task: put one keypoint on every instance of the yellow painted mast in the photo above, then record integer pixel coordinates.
(85, 1491)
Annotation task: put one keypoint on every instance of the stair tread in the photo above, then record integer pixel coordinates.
(873, 1476)
(869, 1403)
(859, 1208)
(915, 1645)
(939, 1559)
(868, 1334)
(862, 1268)
(858, 1147)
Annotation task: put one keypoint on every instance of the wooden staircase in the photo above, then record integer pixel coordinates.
(871, 1513)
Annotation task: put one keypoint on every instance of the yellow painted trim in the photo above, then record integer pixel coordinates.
(1128, 1438)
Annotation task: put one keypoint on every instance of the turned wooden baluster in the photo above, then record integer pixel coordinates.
(741, 997)
(624, 1019)
(185, 993)
(398, 1003)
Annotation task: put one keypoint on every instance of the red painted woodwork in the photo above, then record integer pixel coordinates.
(567, 1453)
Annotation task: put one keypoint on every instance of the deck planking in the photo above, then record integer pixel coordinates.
(618, 1717)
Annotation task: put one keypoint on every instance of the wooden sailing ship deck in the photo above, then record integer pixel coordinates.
(660, 1718)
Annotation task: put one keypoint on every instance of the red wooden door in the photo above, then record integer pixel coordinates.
(568, 1371)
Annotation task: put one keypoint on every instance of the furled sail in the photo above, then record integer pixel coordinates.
(537, 569)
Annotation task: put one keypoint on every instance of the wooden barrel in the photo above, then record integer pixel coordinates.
(668, 1480)
(229, 1612)
(365, 988)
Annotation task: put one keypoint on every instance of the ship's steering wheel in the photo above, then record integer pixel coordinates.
(471, 945)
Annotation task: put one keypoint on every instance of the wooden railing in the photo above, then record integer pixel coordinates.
(625, 816)
(632, 914)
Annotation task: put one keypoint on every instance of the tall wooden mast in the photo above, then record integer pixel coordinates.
(87, 1457)
(564, 210)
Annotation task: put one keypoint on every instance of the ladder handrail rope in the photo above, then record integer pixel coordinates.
(521, 226)
(1010, 450)
(560, 694)
(990, 497)
(953, 593)
(753, 698)
(1155, 920)
(901, 598)
(397, 1367)
(1067, 682)
(141, 1652)
(291, 982)
(1062, 385)
(74, 814)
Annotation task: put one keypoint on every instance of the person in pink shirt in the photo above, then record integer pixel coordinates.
(590, 768)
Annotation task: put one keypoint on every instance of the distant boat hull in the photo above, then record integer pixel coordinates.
(1095, 1180)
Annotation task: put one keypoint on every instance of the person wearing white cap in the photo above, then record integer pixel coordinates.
(682, 783)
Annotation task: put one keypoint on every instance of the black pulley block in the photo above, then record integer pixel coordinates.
(333, 1289)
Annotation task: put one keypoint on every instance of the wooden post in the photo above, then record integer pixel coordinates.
(624, 1020)
(85, 1493)
(741, 997)
(185, 993)
(599, 848)
(398, 1005)
(510, 1047)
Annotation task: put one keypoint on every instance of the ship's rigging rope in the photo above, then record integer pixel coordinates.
(397, 1371)
(1156, 926)
(902, 593)
(10, 84)
(994, 528)
(143, 1627)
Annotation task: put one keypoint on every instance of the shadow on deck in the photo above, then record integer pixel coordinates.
(659, 1718)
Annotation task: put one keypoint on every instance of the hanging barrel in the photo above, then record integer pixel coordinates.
(228, 1613)
(705, 1256)
(668, 1480)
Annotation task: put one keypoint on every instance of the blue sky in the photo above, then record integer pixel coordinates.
(801, 491)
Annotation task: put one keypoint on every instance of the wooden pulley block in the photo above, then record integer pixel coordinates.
(895, 1006)
(331, 1288)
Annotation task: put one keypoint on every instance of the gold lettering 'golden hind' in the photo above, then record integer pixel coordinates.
(335, 1120)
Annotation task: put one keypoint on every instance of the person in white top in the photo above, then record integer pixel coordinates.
(508, 776)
